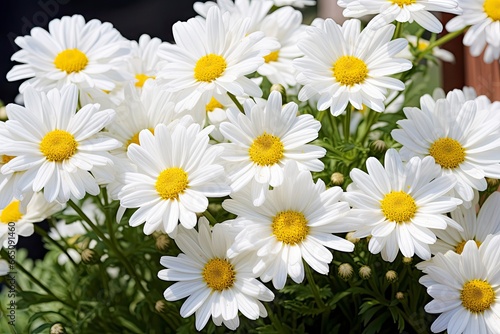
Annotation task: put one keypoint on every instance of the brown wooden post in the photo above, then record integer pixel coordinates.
(453, 73)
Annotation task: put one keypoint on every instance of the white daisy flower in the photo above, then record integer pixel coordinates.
(217, 286)
(72, 51)
(465, 288)
(401, 11)
(15, 221)
(263, 140)
(285, 25)
(55, 145)
(211, 58)
(400, 205)
(295, 222)
(422, 44)
(176, 172)
(295, 3)
(462, 136)
(476, 228)
(344, 64)
(483, 17)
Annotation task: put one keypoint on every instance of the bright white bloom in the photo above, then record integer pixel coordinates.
(176, 171)
(72, 51)
(21, 221)
(55, 145)
(344, 64)
(483, 17)
(295, 222)
(294, 3)
(465, 288)
(263, 140)
(475, 228)
(462, 136)
(214, 113)
(401, 11)
(217, 286)
(211, 58)
(285, 25)
(422, 44)
(399, 205)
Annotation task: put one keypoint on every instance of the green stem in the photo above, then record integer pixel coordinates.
(44, 234)
(335, 128)
(445, 39)
(399, 30)
(314, 287)
(236, 102)
(109, 216)
(347, 123)
(210, 218)
(274, 320)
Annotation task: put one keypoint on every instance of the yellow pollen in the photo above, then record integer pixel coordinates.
(171, 182)
(135, 138)
(402, 3)
(71, 60)
(7, 158)
(266, 150)
(209, 67)
(447, 152)
(398, 207)
(219, 274)
(141, 79)
(11, 213)
(58, 145)
(422, 45)
(477, 296)
(290, 227)
(273, 56)
(350, 70)
(492, 9)
(460, 247)
(213, 104)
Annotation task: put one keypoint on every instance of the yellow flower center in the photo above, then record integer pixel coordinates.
(273, 56)
(266, 150)
(209, 67)
(402, 3)
(71, 60)
(447, 152)
(135, 138)
(290, 227)
(460, 247)
(477, 296)
(350, 70)
(7, 158)
(398, 207)
(213, 104)
(141, 79)
(58, 145)
(11, 213)
(492, 9)
(219, 274)
(422, 45)
(171, 182)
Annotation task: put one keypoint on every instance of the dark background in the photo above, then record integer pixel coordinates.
(132, 18)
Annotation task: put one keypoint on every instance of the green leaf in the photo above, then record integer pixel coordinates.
(28, 298)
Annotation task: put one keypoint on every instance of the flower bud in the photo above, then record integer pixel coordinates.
(400, 295)
(89, 256)
(160, 306)
(378, 146)
(365, 272)
(391, 276)
(337, 179)
(350, 237)
(57, 329)
(345, 271)
(162, 243)
(407, 260)
(492, 183)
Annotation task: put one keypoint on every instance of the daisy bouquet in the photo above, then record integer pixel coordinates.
(258, 174)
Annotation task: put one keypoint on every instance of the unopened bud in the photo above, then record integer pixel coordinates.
(57, 329)
(407, 260)
(365, 272)
(345, 271)
(350, 237)
(400, 295)
(89, 256)
(160, 306)
(337, 179)
(391, 276)
(492, 183)
(162, 243)
(378, 146)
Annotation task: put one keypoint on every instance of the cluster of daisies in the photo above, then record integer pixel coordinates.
(165, 127)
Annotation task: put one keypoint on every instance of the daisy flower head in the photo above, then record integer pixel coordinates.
(476, 226)
(401, 11)
(177, 169)
(295, 3)
(16, 221)
(400, 205)
(422, 44)
(483, 19)
(343, 64)
(211, 58)
(296, 222)
(461, 135)
(263, 140)
(72, 51)
(55, 146)
(216, 286)
(465, 288)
